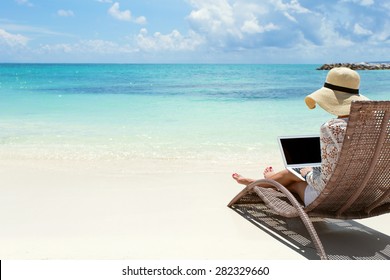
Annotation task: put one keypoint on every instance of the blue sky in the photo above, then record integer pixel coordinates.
(194, 31)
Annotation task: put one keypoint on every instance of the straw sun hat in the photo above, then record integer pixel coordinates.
(340, 89)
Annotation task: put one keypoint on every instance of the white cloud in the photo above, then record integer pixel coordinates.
(213, 16)
(290, 17)
(173, 41)
(124, 15)
(230, 24)
(332, 38)
(104, 1)
(252, 27)
(12, 40)
(288, 9)
(140, 20)
(115, 12)
(24, 2)
(248, 24)
(65, 13)
(56, 48)
(382, 37)
(293, 6)
(359, 30)
(101, 46)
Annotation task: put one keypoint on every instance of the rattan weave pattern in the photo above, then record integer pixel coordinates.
(363, 149)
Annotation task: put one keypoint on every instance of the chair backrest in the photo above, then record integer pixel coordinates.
(360, 184)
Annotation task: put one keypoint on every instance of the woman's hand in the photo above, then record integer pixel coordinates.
(304, 171)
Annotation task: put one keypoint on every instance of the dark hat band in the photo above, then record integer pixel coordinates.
(343, 89)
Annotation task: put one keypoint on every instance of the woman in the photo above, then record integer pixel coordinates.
(335, 97)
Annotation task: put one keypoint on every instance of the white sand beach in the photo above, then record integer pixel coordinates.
(129, 210)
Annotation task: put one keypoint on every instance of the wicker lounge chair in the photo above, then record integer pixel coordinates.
(360, 185)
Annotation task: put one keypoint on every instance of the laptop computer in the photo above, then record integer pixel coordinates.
(299, 152)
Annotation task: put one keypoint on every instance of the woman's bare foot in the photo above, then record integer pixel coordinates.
(241, 179)
(268, 172)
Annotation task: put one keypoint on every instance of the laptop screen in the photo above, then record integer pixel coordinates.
(301, 150)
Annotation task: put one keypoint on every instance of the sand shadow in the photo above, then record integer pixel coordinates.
(342, 239)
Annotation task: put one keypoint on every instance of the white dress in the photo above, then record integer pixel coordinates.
(331, 137)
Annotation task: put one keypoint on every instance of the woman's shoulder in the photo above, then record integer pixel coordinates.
(334, 126)
(339, 122)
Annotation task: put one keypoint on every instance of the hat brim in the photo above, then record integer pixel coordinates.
(334, 102)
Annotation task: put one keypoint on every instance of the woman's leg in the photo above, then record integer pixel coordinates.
(298, 188)
(242, 180)
(290, 181)
(283, 177)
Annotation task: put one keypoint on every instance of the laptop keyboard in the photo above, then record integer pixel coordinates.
(298, 169)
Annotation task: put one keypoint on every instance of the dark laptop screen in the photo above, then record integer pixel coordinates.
(301, 150)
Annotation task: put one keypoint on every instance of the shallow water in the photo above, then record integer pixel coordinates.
(217, 113)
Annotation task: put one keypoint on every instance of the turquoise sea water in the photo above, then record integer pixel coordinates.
(191, 112)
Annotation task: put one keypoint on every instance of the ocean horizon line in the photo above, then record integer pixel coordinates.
(157, 63)
(315, 65)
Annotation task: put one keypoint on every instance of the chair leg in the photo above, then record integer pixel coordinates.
(302, 214)
(313, 234)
